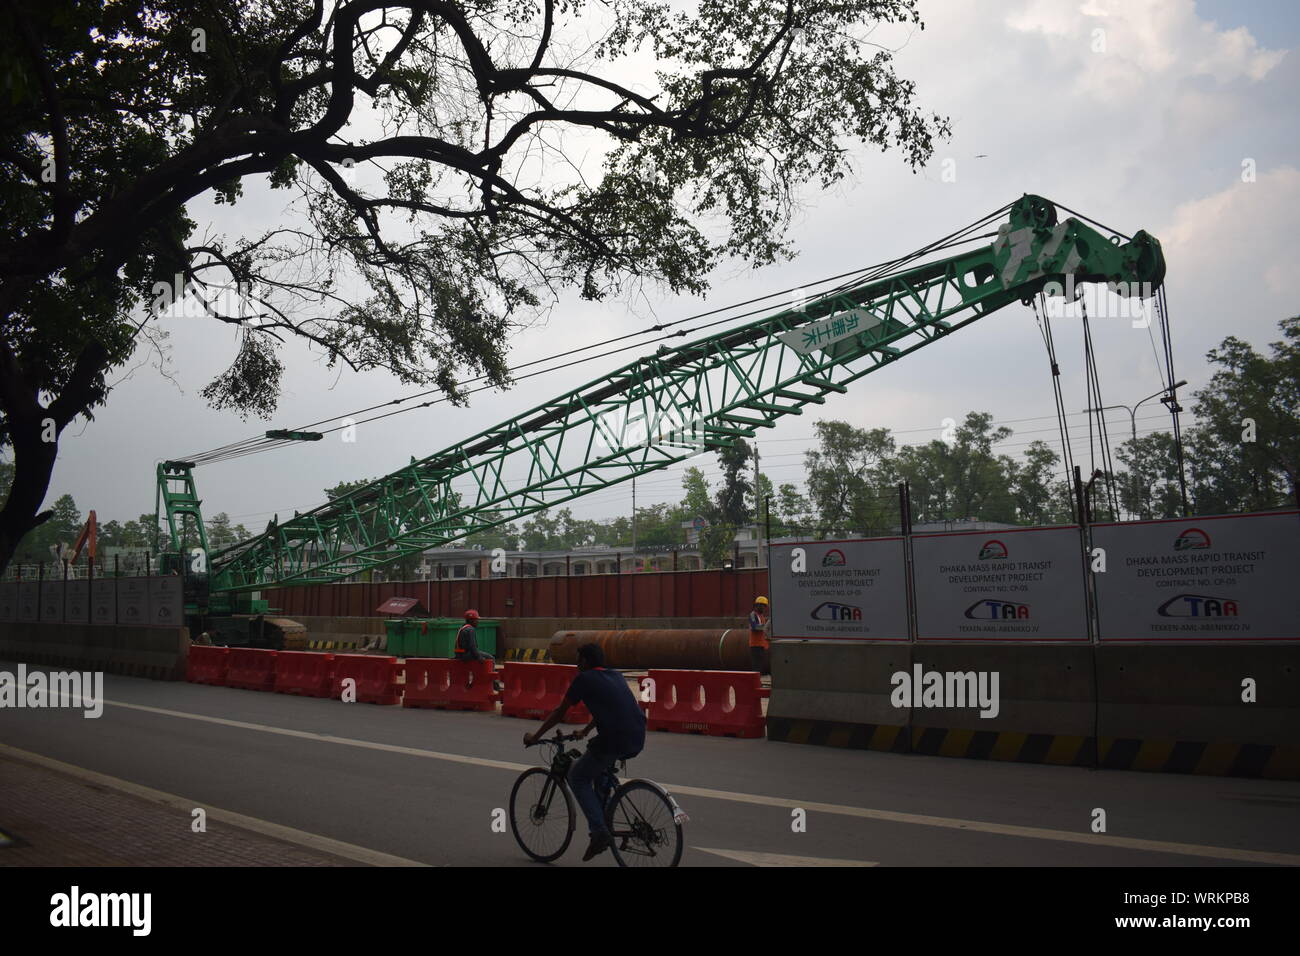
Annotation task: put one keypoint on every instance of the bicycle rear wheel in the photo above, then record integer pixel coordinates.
(640, 819)
(541, 814)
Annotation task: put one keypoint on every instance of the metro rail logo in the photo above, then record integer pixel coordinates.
(830, 611)
(1193, 539)
(834, 558)
(1197, 605)
(994, 609)
(993, 549)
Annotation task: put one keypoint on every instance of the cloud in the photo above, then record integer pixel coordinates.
(1119, 49)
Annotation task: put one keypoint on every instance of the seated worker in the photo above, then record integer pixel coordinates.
(620, 726)
(466, 646)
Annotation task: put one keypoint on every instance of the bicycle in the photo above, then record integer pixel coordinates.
(642, 817)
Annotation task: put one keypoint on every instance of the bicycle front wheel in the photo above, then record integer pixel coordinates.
(541, 814)
(640, 819)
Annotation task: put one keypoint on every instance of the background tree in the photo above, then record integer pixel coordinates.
(846, 475)
(412, 136)
(1148, 487)
(1229, 472)
(1036, 490)
(961, 478)
(736, 493)
(222, 534)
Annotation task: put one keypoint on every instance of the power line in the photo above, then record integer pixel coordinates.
(259, 444)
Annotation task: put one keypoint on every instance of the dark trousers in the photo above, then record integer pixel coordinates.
(588, 779)
(758, 659)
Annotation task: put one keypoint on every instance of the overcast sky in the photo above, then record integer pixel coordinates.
(1150, 134)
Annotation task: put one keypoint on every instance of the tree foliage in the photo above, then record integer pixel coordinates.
(432, 154)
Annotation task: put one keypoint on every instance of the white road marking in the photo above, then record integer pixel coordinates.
(312, 841)
(780, 859)
(865, 813)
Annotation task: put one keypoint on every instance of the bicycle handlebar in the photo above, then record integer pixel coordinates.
(557, 739)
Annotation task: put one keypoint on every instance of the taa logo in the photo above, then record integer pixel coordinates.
(1193, 539)
(995, 610)
(834, 559)
(830, 611)
(993, 549)
(1197, 605)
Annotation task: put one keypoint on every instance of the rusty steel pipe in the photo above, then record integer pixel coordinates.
(712, 649)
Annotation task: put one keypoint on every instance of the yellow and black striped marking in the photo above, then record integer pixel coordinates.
(1220, 759)
(332, 645)
(534, 655)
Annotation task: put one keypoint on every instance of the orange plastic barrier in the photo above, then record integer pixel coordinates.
(534, 690)
(304, 672)
(444, 684)
(376, 677)
(250, 668)
(717, 703)
(207, 665)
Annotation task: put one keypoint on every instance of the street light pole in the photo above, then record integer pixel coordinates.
(1132, 412)
(1170, 399)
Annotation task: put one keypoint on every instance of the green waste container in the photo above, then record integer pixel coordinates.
(411, 637)
(396, 630)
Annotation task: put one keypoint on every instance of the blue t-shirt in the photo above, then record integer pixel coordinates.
(620, 724)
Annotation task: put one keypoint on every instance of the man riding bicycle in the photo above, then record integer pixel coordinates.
(620, 726)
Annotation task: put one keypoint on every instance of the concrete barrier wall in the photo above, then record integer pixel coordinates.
(1133, 707)
(1194, 693)
(844, 683)
(1042, 689)
(159, 653)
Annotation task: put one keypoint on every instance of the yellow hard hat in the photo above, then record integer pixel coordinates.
(760, 600)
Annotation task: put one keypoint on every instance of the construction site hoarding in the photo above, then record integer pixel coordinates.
(29, 601)
(1023, 584)
(1235, 577)
(103, 601)
(76, 609)
(9, 601)
(166, 601)
(133, 601)
(840, 590)
(51, 602)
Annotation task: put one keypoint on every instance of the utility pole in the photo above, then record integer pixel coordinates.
(634, 522)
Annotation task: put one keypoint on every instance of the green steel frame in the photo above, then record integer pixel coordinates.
(679, 402)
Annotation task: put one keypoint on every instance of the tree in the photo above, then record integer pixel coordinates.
(960, 478)
(846, 480)
(560, 531)
(222, 535)
(717, 537)
(1148, 488)
(412, 135)
(732, 504)
(1246, 447)
(62, 529)
(1037, 496)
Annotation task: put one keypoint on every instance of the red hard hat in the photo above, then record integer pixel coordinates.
(471, 614)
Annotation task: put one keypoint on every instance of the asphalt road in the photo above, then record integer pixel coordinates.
(424, 785)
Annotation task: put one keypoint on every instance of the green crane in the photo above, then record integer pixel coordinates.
(684, 400)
